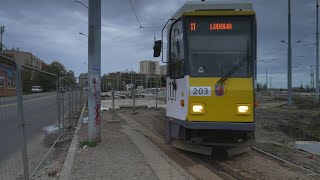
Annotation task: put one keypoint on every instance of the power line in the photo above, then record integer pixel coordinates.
(140, 25)
(135, 13)
(151, 27)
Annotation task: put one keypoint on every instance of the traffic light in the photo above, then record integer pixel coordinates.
(157, 48)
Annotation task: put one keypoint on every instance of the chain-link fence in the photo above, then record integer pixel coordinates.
(36, 107)
(10, 129)
(132, 93)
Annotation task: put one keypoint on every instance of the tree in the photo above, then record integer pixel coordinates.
(70, 73)
(57, 68)
(27, 80)
(301, 88)
(260, 86)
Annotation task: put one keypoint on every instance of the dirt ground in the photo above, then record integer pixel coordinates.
(52, 165)
(279, 126)
(252, 165)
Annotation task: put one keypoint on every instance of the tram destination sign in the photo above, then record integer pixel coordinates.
(210, 25)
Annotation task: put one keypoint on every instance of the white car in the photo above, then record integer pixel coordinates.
(36, 89)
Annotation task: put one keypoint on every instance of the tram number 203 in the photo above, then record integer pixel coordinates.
(200, 91)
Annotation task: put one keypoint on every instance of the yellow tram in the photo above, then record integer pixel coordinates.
(211, 73)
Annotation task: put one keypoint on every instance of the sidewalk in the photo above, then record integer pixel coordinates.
(124, 153)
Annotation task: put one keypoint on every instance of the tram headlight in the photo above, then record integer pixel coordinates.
(243, 109)
(198, 108)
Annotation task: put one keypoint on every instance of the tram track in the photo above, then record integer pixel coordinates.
(216, 167)
(207, 161)
(284, 161)
(251, 165)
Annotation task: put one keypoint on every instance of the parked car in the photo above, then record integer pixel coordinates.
(36, 89)
(155, 90)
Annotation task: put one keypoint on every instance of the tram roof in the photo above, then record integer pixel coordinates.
(213, 5)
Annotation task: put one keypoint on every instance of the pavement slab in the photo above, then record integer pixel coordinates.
(164, 167)
(115, 157)
(123, 153)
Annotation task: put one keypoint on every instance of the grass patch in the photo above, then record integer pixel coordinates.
(305, 103)
(301, 131)
(88, 144)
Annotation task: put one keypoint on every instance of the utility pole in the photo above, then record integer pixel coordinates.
(266, 79)
(317, 56)
(94, 71)
(1, 32)
(270, 83)
(131, 79)
(311, 78)
(289, 100)
(133, 93)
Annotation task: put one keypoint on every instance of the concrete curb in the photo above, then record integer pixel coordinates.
(67, 166)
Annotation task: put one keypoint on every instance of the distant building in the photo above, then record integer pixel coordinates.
(149, 67)
(7, 77)
(25, 58)
(83, 79)
(163, 70)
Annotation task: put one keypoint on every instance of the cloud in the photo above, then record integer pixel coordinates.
(49, 29)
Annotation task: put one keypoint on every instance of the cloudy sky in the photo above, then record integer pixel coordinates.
(50, 30)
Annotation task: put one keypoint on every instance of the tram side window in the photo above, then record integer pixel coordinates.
(176, 61)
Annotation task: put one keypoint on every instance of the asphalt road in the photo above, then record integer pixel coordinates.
(40, 111)
(13, 99)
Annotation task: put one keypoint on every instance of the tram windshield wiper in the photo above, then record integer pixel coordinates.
(226, 76)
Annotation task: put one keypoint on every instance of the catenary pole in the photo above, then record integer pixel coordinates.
(289, 100)
(94, 71)
(317, 56)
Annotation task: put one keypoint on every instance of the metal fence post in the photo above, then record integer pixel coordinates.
(157, 86)
(58, 103)
(113, 105)
(76, 104)
(80, 94)
(62, 99)
(70, 106)
(21, 117)
(134, 98)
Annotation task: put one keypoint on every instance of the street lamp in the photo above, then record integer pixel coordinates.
(83, 34)
(289, 100)
(283, 41)
(267, 60)
(81, 3)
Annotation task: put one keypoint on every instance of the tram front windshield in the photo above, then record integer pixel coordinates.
(216, 45)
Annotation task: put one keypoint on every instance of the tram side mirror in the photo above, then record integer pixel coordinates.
(157, 48)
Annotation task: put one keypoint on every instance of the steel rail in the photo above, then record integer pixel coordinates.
(283, 160)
